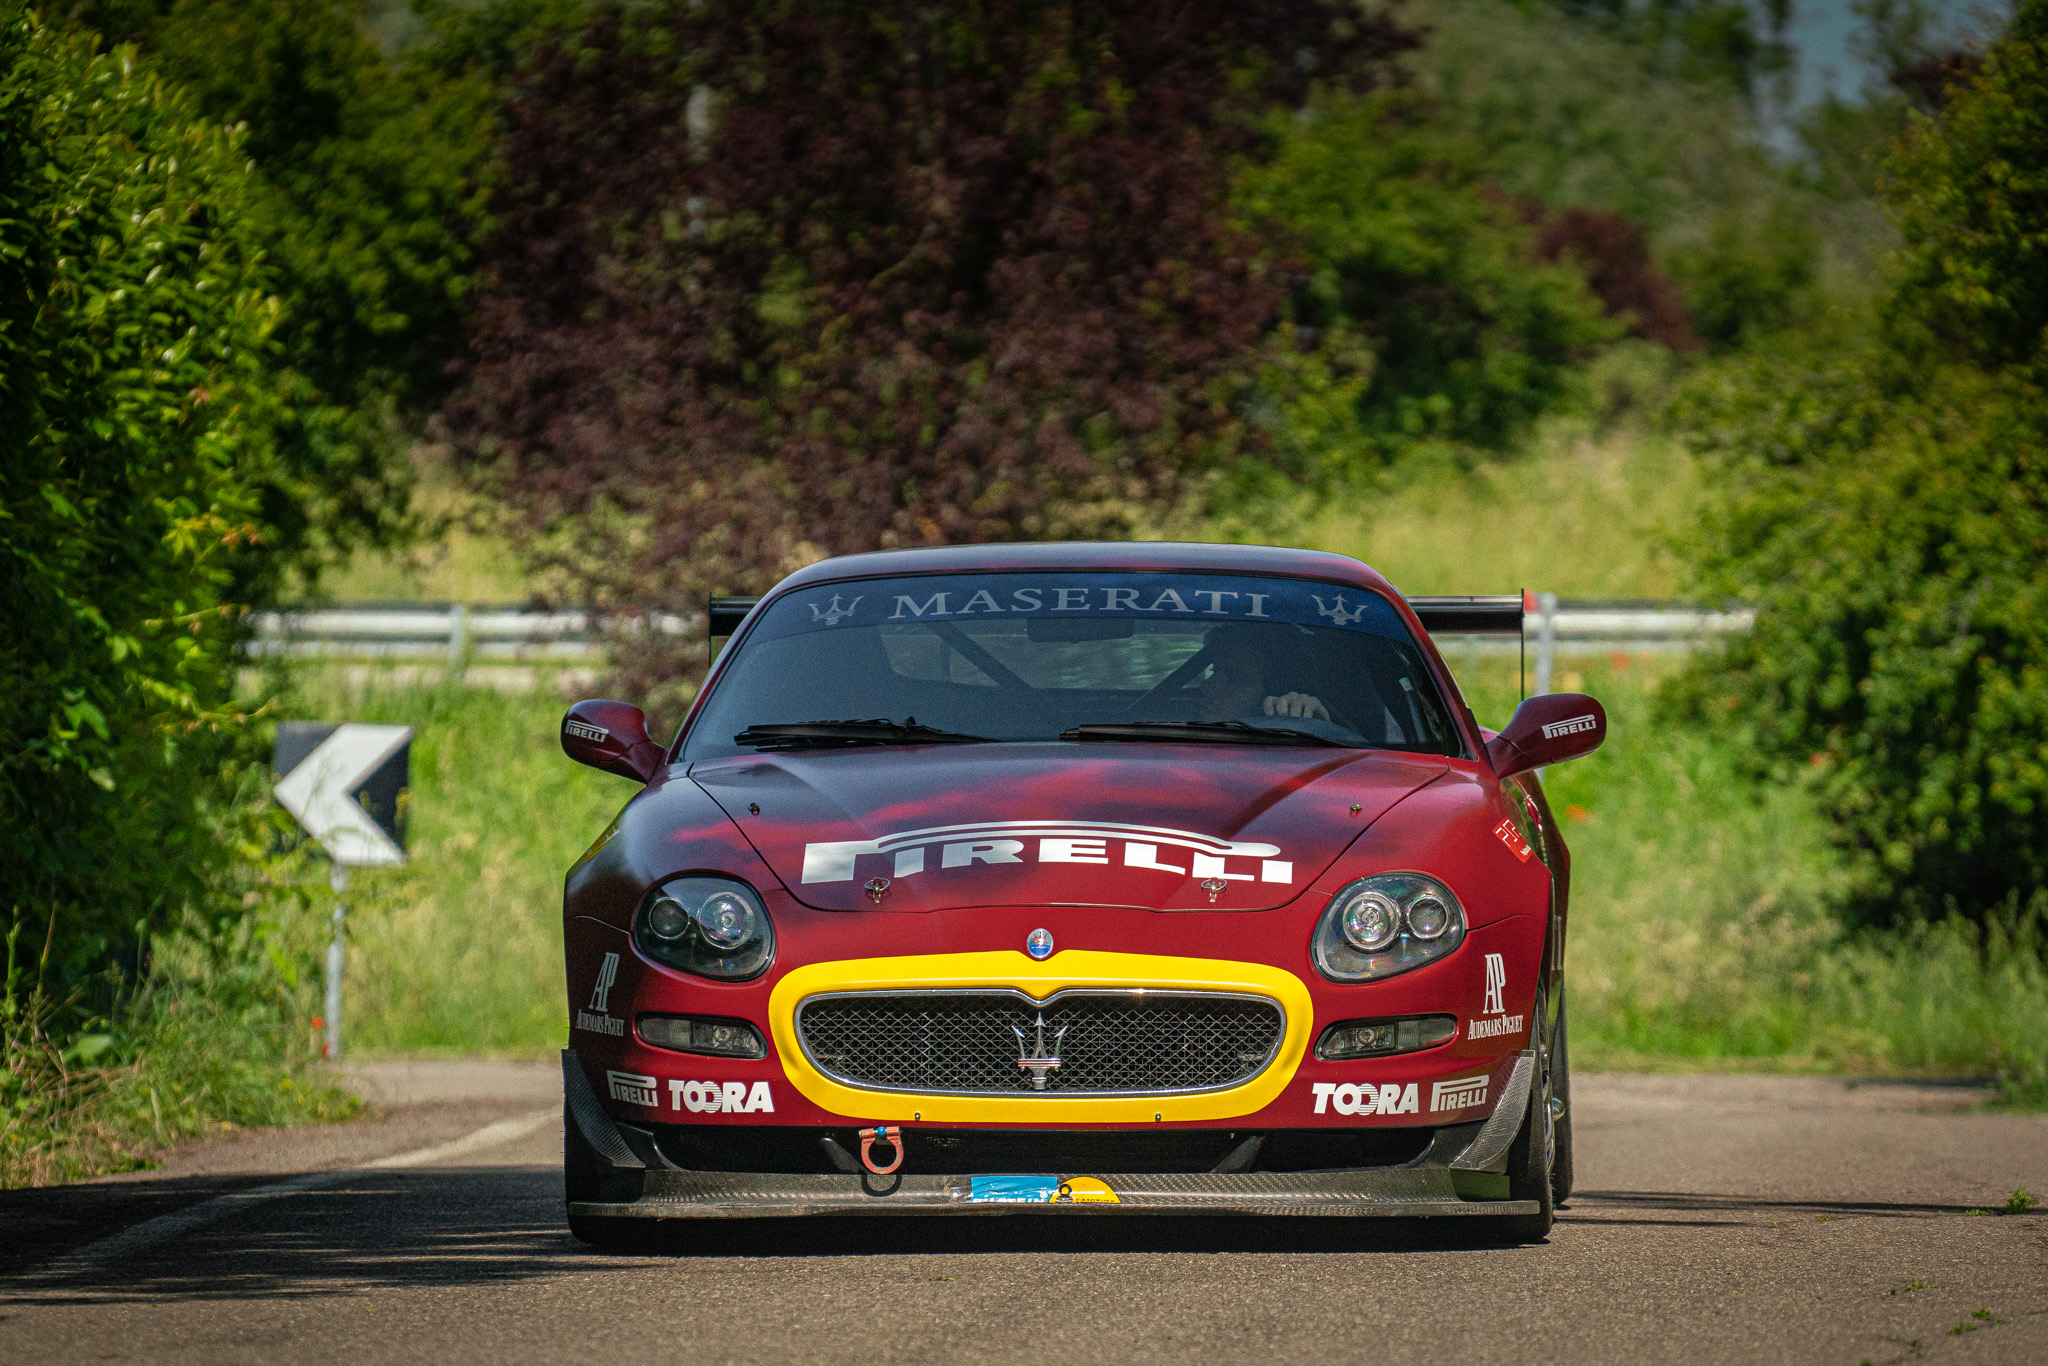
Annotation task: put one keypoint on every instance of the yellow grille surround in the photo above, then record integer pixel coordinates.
(1072, 968)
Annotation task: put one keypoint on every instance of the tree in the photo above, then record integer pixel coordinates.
(1890, 520)
(776, 281)
(372, 174)
(1969, 186)
(1426, 306)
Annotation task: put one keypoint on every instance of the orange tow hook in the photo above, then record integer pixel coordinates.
(888, 1137)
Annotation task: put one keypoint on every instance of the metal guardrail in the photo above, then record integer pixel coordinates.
(500, 634)
(437, 631)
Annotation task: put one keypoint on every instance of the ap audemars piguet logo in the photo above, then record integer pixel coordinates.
(598, 1019)
(1149, 848)
(1493, 1019)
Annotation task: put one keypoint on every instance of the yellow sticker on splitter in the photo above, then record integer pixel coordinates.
(1085, 1190)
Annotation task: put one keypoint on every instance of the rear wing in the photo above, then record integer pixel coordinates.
(1490, 614)
(1486, 614)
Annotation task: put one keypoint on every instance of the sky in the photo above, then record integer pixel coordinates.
(1820, 33)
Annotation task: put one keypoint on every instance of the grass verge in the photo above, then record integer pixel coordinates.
(216, 1039)
(460, 951)
(1703, 931)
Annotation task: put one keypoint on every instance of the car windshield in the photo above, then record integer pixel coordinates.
(1102, 658)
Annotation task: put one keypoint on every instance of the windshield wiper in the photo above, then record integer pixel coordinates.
(1201, 732)
(835, 734)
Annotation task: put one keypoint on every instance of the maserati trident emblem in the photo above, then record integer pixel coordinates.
(1031, 1054)
(1339, 614)
(1213, 886)
(1039, 944)
(876, 888)
(837, 613)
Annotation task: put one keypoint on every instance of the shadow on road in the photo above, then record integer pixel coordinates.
(39, 1224)
(1591, 1202)
(447, 1227)
(426, 1227)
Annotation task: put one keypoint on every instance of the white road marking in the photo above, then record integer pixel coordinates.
(504, 1131)
(166, 1226)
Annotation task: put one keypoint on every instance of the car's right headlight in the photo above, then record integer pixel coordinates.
(712, 926)
(1386, 924)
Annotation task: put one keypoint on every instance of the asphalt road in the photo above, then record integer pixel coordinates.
(1721, 1219)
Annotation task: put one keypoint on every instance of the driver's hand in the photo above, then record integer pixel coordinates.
(1297, 704)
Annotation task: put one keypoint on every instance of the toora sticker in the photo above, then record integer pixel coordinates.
(1146, 848)
(1366, 1098)
(1512, 838)
(721, 1097)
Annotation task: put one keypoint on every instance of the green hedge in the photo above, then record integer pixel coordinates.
(1889, 516)
(135, 321)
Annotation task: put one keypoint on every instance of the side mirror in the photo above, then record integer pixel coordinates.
(611, 736)
(1548, 730)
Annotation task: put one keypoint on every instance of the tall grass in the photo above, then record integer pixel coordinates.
(1593, 502)
(1703, 930)
(215, 1037)
(460, 951)
(1581, 514)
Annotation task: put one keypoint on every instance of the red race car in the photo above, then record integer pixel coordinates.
(1123, 878)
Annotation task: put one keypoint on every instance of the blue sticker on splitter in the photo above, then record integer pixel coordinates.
(1015, 1190)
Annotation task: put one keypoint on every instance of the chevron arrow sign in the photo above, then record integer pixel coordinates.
(346, 784)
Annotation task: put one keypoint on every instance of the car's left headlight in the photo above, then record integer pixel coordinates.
(1386, 924)
(712, 926)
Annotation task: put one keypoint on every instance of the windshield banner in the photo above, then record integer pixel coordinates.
(1182, 597)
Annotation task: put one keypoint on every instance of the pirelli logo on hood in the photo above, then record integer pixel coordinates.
(1147, 848)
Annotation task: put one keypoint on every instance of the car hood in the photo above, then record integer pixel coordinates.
(1167, 827)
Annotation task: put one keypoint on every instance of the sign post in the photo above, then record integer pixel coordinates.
(346, 784)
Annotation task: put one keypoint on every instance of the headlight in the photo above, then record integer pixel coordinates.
(1386, 924)
(711, 926)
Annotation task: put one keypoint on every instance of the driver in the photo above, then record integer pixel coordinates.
(1236, 685)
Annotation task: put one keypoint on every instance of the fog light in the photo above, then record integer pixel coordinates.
(1378, 1038)
(686, 1034)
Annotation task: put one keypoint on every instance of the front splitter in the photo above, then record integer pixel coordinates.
(1385, 1192)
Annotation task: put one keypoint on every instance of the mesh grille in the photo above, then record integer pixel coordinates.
(1116, 1044)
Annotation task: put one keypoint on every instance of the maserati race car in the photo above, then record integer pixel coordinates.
(1080, 879)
